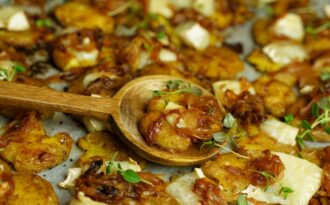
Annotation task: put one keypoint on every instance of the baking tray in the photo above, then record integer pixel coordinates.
(64, 123)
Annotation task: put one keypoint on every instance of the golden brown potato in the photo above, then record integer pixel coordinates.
(27, 39)
(31, 189)
(22, 188)
(79, 15)
(228, 171)
(262, 62)
(213, 63)
(104, 80)
(277, 95)
(256, 144)
(261, 33)
(77, 49)
(105, 146)
(26, 145)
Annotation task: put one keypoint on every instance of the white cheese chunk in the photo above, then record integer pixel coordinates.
(84, 200)
(205, 7)
(182, 3)
(302, 176)
(91, 77)
(69, 182)
(327, 10)
(161, 7)
(285, 52)
(126, 165)
(18, 22)
(290, 26)
(167, 55)
(194, 35)
(94, 125)
(13, 19)
(280, 131)
(172, 106)
(181, 189)
(199, 172)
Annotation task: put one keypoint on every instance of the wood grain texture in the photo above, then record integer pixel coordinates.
(126, 108)
(36, 98)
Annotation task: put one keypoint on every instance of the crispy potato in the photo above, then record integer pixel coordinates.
(228, 170)
(262, 62)
(29, 149)
(31, 189)
(213, 63)
(76, 50)
(277, 95)
(27, 39)
(22, 188)
(83, 16)
(254, 145)
(261, 33)
(105, 146)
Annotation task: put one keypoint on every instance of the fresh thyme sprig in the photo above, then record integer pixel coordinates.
(314, 31)
(322, 119)
(224, 138)
(269, 176)
(286, 191)
(241, 200)
(178, 87)
(9, 73)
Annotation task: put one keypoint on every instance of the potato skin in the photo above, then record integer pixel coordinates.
(21, 188)
(277, 95)
(29, 149)
(105, 146)
(79, 15)
(31, 189)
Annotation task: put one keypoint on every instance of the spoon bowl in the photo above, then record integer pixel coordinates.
(125, 110)
(133, 99)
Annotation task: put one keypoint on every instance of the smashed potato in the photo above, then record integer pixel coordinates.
(84, 16)
(277, 95)
(76, 50)
(22, 188)
(105, 146)
(26, 145)
(213, 63)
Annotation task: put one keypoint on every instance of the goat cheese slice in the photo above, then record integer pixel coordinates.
(194, 35)
(285, 52)
(280, 131)
(291, 26)
(181, 189)
(161, 7)
(167, 55)
(205, 7)
(327, 10)
(302, 176)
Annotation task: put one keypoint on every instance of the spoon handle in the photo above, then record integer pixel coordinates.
(37, 98)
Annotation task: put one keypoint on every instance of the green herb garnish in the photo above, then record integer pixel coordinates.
(269, 176)
(286, 191)
(229, 121)
(288, 118)
(224, 138)
(179, 87)
(129, 175)
(161, 35)
(241, 200)
(325, 76)
(322, 119)
(9, 73)
(44, 23)
(314, 31)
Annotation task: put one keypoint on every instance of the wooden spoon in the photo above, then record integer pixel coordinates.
(126, 108)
